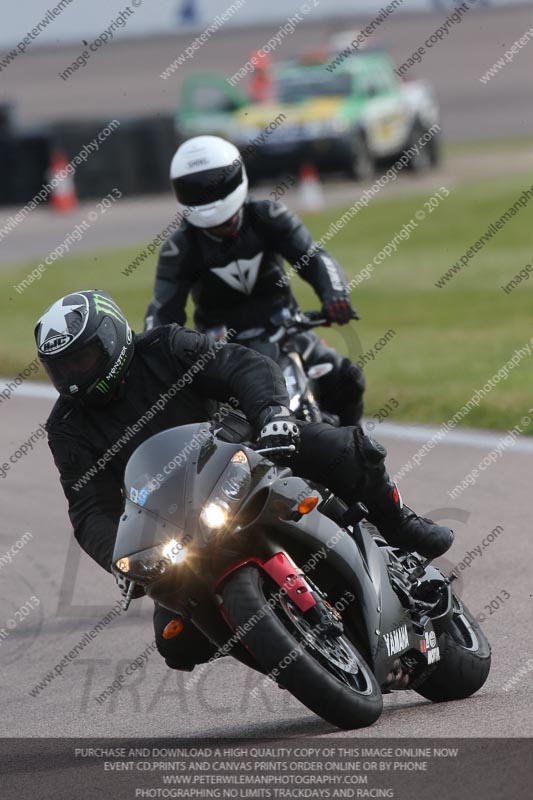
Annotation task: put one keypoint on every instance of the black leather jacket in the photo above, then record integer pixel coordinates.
(91, 445)
(239, 282)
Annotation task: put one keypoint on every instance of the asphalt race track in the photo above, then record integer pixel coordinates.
(74, 594)
(67, 594)
(133, 220)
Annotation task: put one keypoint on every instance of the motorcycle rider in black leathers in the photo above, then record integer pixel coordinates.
(115, 393)
(228, 253)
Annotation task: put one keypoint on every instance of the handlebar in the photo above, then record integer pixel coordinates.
(311, 319)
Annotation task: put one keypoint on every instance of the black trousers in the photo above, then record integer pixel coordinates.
(343, 459)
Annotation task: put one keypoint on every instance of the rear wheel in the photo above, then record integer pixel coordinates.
(327, 674)
(465, 660)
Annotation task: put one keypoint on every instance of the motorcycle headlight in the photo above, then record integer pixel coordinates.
(215, 514)
(230, 490)
(147, 565)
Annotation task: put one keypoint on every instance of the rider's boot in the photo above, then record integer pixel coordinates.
(401, 527)
(398, 524)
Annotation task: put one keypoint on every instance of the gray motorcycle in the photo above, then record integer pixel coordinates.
(279, 574)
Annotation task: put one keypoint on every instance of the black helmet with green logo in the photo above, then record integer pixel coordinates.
(85, 344)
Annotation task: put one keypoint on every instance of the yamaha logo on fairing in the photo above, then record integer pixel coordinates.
(396, 640)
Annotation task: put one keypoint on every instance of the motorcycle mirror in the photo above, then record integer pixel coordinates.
(319, 370)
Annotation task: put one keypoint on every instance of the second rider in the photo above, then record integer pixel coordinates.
(228, 253)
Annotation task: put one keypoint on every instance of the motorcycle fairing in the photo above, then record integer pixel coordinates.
(360, 564)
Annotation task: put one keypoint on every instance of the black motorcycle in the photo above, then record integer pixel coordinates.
(284, 340)
(279, 574)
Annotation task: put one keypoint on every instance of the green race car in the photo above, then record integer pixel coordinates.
(344, 119)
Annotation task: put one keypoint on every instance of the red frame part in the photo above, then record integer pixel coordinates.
(283, 571)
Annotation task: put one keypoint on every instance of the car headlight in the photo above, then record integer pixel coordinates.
(150, 564)
(230, 490)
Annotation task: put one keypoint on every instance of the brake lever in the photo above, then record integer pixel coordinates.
(289, 448)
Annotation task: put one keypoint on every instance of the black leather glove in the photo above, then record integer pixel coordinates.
(337, 308)
(278, 428)
(123, 584)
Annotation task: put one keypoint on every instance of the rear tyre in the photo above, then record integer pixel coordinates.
(328, 675)
(465, 661)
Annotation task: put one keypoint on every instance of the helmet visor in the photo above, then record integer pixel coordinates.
(209, 185)
(85, 364)
(77, 368)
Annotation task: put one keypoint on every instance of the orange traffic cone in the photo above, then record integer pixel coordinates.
(311, 195)
(63, 195)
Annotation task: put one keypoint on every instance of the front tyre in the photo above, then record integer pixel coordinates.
(424, 156)
(328, 675)
(361, 166)
(465, 660)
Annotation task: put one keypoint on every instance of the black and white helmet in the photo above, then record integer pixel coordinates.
(85, 345)
(209, 179)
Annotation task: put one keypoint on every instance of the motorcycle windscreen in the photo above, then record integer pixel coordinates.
(160, 473)
(139, 530)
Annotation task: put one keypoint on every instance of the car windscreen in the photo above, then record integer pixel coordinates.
(299, 86)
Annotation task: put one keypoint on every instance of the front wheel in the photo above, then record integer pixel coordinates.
(361, 166)
(465, 660)
(425, 155)
(327, 675)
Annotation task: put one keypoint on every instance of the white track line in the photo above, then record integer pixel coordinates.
(41, 391)
(480, 440)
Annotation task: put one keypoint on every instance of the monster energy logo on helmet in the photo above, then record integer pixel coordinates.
(102, 386)
(104, 305)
